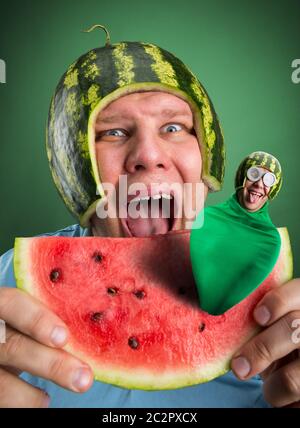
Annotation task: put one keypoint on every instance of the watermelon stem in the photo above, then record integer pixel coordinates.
(107, 42)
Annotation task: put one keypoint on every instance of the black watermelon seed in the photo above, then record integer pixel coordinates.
(55, 275)
(140, 294)
(201, 327)
(133, 343)
(97, 316)
(112, 291)
(97, 257)
(181, 290)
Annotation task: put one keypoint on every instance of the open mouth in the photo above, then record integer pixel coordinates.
(150, 215)
(254, 196)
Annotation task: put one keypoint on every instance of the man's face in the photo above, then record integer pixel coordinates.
(254, 194)
(148, 137)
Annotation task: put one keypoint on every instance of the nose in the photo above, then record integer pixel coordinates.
(259, 183)
(147, 152)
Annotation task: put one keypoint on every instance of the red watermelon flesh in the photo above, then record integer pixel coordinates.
(132, 308)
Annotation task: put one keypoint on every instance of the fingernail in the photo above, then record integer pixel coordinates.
(59, 336)
(81, 379)
(241, 366)
(262, 315)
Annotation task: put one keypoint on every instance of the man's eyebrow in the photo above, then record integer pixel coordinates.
(109, 119)
(167, 113)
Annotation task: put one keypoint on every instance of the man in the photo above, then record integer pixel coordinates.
(239, 233)
(148, 136)
(258, 179)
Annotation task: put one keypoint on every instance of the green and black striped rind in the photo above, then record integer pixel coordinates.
(264, 160)
(97, 78)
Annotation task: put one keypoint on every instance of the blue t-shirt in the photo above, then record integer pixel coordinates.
(225, 391)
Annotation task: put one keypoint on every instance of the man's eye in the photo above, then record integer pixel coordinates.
(118, 133)
(114, 132)
(174, 127)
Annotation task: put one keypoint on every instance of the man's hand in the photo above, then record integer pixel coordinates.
(274, 353)
(33, 338)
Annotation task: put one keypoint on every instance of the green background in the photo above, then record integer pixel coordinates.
(241, 51)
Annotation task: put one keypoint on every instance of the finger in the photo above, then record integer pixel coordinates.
(278, 302)
(270, 345)
(292, 356)
(15, 393)
(25, 354)
(32, 318)
(282, 387)
(12, 370)
(295, 405)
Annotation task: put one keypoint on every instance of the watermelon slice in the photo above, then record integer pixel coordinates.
(132, 308)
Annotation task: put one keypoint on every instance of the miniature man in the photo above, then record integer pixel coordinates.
(237, 237)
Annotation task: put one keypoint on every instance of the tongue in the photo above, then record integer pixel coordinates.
(253, 198)
(147, 226)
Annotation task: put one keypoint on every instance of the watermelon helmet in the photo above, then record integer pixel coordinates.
(99, 77)
(264, 160)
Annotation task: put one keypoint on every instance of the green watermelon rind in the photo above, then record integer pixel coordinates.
(98, 75)
(143, 379)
